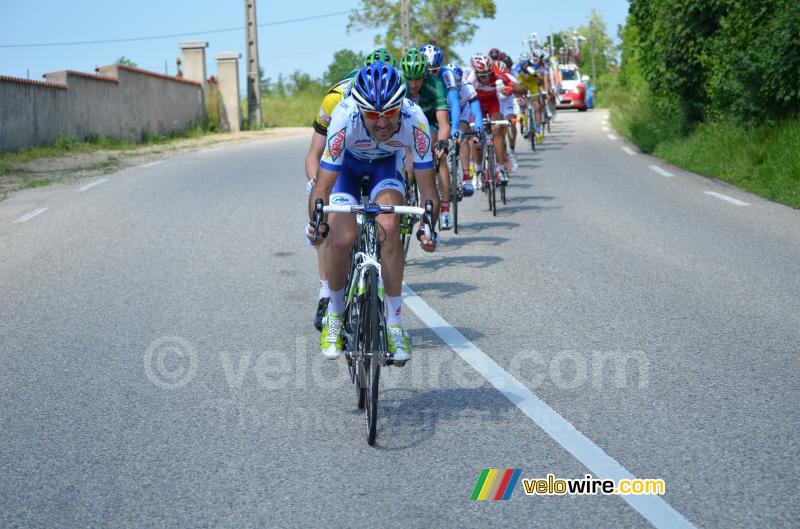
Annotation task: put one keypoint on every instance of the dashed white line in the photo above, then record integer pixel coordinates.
(151, 164)
(611, 137)
(630, 151)
(661, 171)
(653, 508)
(30, 215)
(726, 198)
(605, 129)
(92, 184)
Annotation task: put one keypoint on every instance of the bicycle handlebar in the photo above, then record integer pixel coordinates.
(426, 227)
(375, 209)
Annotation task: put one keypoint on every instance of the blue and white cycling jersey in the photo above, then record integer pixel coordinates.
(348, 133)
(352, 153)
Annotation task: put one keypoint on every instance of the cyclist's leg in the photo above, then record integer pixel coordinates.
(387, 188)
(537, 105)
(337, 249)
(464, 155)
(499, 139)
(507, 109)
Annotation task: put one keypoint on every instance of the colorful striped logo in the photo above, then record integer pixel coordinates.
(495, 484)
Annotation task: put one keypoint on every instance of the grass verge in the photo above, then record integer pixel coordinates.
(763, 159)
(297, 110)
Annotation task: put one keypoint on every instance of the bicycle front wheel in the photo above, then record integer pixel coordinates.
(376, 341)
(492, 183)
(407, 222)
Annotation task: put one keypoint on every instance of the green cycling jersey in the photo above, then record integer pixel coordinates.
(432, 97)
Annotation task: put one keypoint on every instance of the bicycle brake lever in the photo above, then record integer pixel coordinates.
(317, 221)
(426, 227)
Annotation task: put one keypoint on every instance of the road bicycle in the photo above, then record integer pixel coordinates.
(489, 165)
(530, 121)
(365, 330)
(456, 178)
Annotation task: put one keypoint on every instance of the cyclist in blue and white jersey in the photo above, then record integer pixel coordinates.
(469, 107)
(367, 131)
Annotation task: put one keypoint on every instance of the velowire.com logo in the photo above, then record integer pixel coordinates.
(495, 484)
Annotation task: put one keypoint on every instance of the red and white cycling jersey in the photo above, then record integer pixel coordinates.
(487, 88)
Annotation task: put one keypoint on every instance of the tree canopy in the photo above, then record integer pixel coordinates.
(444, 23)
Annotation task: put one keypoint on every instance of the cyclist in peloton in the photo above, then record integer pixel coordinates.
(367, 131)
(430, 93)
(488, 80)
(334, 96)
(469, 107)
(508, 110)
(531, 76)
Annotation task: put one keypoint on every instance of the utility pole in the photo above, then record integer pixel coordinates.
(404, 24)
(253, 78)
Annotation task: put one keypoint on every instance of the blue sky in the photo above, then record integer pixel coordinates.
(307, 45)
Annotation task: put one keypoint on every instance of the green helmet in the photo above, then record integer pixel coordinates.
(380, 54)
(414, 65)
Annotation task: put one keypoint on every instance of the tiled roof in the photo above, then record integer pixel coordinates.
(93, 77)
(159, 75)
(38, 84)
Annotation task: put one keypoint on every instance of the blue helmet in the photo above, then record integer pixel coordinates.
(378, 86)
(458, 73)
(433, 54)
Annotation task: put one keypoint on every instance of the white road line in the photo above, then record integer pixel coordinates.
(612, 137)
(653, 508)
(92, 184)
(661, 171)
(151, 164)
(30, 215)
(630, 151)
(726, 198)
(605, 129)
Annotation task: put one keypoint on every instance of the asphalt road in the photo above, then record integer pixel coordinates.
(160, 368)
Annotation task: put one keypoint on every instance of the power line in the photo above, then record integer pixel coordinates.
(172, 36)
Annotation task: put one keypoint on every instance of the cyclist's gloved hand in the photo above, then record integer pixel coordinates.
(309, 234)
(508, 90)
(458, 134)
(429, 243)
(441, 147)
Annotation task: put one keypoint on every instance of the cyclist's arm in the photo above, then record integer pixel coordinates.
(314, 154)
(326, 179)
(452, 101)
(477, 115)
(442, 118)
(427, 191)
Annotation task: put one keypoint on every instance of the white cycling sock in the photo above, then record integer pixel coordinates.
(336, 304)
(324, 289)
(393, 306)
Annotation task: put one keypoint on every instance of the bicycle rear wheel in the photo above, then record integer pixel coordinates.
(455, 196)
(532, 127)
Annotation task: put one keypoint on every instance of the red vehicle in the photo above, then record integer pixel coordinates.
(571, 92)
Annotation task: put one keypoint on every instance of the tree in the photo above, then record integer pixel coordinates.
(125, 62)
(597, 43)
(343, 61)
(441, 22)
